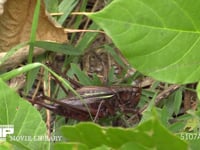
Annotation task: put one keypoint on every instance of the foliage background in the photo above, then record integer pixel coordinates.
(159, 39)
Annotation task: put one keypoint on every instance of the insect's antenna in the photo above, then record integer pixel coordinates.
(73, 82)
(98, 110)
(40, 103)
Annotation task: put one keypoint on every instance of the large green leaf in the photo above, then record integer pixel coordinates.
(26, 120)
(69, 146)
(159, 38)
(149, 135)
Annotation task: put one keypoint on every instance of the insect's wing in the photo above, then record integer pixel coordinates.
(86, 100)
(66, 110)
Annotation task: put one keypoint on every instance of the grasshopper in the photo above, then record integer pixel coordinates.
(101, 102)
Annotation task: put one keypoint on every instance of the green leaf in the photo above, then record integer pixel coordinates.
(57, 47)
(66, 7)
(79, 19)
(130, 145)
(115, 55)
(194, 142)
(70, 146)
(31, 80)
(177, 126)
(51, 6)
(18, 71)
(6, 146)
(83, 78)
(159, 38)
(33, 30)
(32, 40)
(35, 22)
(26, 119)
(103, 147)
(111, 75)
(165, 116)
(178, 101)
(88, 38)
(198, 90)
(150, 134)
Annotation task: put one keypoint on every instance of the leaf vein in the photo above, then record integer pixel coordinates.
(181, 58)
(162, 48)
(194, 25)
(152, 10)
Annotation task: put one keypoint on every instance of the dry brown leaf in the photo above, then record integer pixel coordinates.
(1, 6)
(15, 28)
(16, 21)
(18, 57)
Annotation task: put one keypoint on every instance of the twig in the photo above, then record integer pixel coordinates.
(161, 96)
